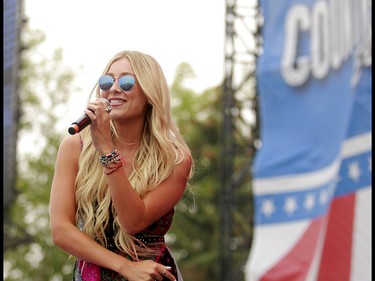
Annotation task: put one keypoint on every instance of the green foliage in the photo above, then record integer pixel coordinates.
(196, 233)
(44, 89)
(195, 227)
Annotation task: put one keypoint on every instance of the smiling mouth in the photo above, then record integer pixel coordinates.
(116, 102)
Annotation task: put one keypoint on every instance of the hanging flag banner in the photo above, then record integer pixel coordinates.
(312, 173)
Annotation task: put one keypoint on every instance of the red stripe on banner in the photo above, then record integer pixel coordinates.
(336, 257)
(295, 265)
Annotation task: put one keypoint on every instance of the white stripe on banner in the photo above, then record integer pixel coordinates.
(276, 245)
(312, 274)
(296, 182)
(352, 146)
(361, 247)
(356, 145)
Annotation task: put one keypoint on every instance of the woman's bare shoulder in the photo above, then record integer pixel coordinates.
(185, 166)
(71, 144)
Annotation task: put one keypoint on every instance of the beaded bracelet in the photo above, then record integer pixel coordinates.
(113, 157)
(113, 169)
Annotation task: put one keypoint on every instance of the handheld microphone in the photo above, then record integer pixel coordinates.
(81, 122)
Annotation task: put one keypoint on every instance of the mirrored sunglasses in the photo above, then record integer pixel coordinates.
(126, 82)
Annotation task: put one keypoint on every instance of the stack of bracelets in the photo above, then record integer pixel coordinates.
(111, 162)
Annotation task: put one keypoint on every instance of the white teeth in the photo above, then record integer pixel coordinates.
(116, 101)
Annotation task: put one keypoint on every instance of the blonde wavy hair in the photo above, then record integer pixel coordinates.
(161, 148)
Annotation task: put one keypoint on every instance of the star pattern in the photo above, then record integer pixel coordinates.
(309, 202)
(355, 173)
(290, 205)
(268, 207)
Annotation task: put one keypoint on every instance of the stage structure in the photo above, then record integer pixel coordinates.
(11, 51)
(239, 136)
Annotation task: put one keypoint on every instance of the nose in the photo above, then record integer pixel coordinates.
(115, 90)
(115, 87)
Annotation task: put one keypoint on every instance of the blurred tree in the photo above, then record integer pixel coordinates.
(195, 233)
(195, 227)
(45, 84)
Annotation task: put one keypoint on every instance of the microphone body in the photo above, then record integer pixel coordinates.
(80, 124)
(83, 121)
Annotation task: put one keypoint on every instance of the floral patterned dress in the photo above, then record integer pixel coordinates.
(153, 236)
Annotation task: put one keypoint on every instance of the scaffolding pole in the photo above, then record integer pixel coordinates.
(238, 135)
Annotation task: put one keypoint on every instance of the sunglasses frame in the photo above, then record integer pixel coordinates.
(114, 80)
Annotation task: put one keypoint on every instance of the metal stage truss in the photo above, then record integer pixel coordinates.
(239, 135)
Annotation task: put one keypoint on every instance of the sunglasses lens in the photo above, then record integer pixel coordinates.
(126, 82)
(106, 82)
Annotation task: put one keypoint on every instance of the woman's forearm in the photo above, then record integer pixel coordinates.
(78, 244)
